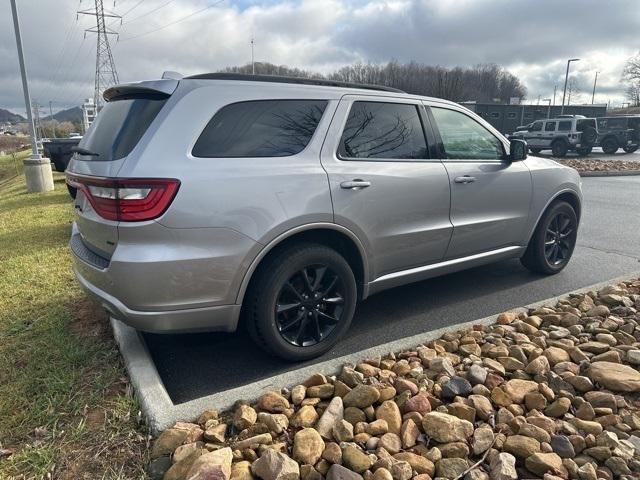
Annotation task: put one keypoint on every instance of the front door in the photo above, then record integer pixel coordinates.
(384, 185)
(490, 196)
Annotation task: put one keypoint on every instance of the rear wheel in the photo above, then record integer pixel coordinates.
(301, 302)
(559, 148)
(535, 151)
(584, 151)
(609, 145)
(630, 149)
(553, 241)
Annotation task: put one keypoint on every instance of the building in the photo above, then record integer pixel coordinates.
(88, 113)
(507, 117)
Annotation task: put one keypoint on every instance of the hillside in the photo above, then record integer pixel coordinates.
(10, 117)
(73, 114)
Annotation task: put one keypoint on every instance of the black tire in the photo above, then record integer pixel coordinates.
(535, 151)
(609, 145)
(584, 151)
(559, 148)
(539, 256)
(282, 277)
(630, 149)
(589, 136)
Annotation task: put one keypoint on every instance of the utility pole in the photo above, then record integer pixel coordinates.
(37, 169)
(555, 87)
(566, 77)
(53, 122)
(593, 95)
(36, 120)
(106, 74)
(253, 66)
(548, 106)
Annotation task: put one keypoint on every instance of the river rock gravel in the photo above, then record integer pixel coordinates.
(553, 393)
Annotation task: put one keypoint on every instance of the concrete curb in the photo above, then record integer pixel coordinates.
(161, 412)
(620, 173)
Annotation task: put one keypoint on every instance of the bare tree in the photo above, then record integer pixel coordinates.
(631, 74)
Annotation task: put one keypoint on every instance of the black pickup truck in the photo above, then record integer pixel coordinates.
(58, 150)
(619, 132)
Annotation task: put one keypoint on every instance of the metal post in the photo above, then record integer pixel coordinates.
(555, 87)
(566, 77)
(253, 66)
(37, 169)
(593, 95)
(53, 124)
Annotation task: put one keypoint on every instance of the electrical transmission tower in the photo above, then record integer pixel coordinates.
(106, 74)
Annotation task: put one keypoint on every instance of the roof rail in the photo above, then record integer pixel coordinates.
(297, 80)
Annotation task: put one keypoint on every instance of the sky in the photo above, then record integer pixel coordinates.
(531, 38)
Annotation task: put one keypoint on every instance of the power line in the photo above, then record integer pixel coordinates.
(186, 17)
(149, 12)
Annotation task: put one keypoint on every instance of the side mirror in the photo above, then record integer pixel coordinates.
(517, 150)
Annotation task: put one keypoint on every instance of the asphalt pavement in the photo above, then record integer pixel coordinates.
(194, 365)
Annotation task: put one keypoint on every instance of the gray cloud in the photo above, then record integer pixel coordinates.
(531, 38)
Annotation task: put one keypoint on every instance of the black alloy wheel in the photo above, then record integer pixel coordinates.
(558, 242)
(310, 305)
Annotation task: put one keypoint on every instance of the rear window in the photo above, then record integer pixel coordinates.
(118, 127)
(564, 126)
(261, 128)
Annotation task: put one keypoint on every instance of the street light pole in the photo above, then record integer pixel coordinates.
(548, 106)
(37, 169)
(593, 95)
(566, 77)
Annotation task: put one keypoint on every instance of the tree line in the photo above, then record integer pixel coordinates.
(631, 75)
(482, 83)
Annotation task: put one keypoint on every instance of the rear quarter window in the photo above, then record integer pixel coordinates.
(119, 127)
(260, 128)
(564, 126)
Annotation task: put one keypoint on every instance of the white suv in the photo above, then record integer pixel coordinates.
(560, 135)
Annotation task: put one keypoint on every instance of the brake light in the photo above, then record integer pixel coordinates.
(126, 199)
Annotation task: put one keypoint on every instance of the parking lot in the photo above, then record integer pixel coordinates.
(201, 364)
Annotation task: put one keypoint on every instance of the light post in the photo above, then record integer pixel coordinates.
(548, 106)
(37, 169)
(593, 95)
(566, 78)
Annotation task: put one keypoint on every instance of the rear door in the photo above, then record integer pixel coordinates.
(534, 135)
(490, 196)
(385, 184)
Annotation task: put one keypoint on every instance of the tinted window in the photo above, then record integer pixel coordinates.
(612, 123)
(464, 138)
(118, 127)
(263, 128)
(536, 127)
(564, 126)
(383, 130)
(550, 126)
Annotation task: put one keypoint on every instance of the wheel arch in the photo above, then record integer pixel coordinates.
(341, 239)
(567, 195)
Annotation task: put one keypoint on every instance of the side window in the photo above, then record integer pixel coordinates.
(564, 126)
(550, 127)
(262, 128)
(377, 130)
(536, 127)
(464, 138)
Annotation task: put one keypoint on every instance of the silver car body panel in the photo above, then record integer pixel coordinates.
(190, 268)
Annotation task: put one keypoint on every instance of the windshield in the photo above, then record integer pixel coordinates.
(118, 128)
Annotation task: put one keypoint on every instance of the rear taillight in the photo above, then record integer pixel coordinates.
(127, 199)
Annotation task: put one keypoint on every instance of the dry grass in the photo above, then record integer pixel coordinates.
(66, 407)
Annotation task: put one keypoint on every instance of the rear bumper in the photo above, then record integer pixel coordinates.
(217, 318)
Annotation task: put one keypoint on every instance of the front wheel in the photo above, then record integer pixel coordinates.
(553, 241)
(630, 149)
(301, 302)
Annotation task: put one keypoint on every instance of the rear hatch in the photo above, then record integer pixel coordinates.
(112, 139)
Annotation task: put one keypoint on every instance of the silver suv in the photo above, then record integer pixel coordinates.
(560, 135)
(217, 200)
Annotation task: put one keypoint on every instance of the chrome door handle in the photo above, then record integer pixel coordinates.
(464, 179)
(356, 184)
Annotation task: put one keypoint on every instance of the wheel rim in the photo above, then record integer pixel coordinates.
(309, 305)
(558, 240)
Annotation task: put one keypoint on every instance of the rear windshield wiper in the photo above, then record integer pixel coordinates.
(84, 151)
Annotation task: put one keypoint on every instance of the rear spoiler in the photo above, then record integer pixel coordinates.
(158, 89)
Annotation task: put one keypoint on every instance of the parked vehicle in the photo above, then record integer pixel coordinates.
(560, 135)
(221, 199)
(59, 151)
(619, 132)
